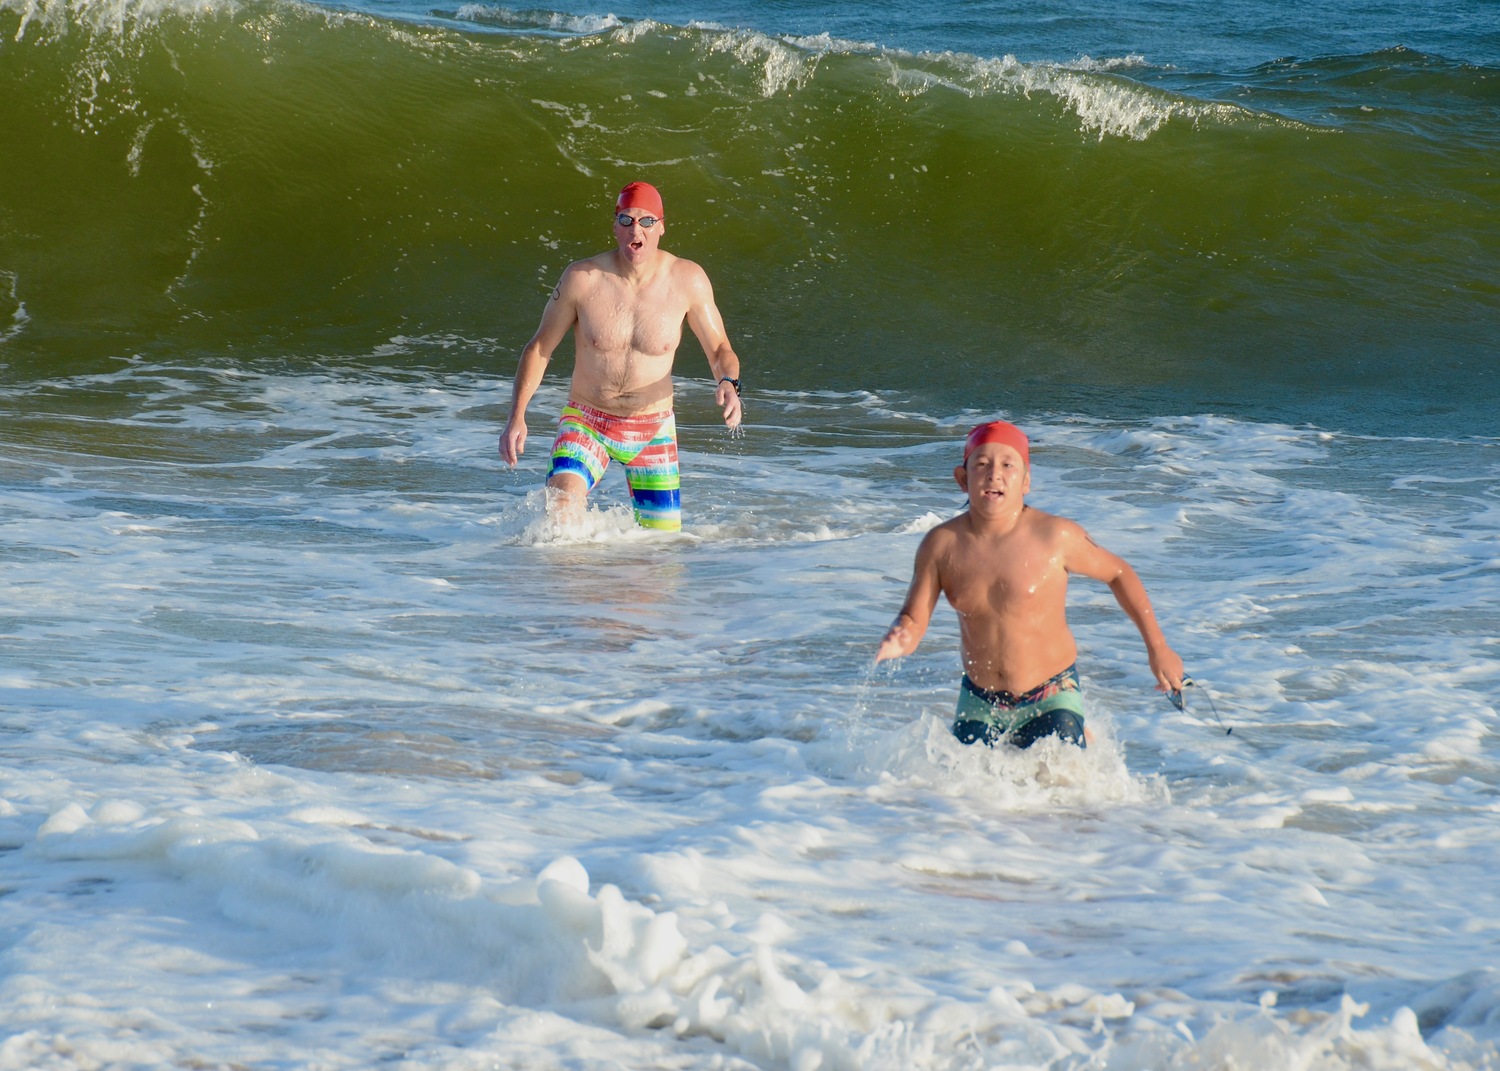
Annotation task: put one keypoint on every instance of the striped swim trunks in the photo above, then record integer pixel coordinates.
(646, 445)
(1052, 708)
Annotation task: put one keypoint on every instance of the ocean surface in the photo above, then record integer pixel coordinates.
(320, 748)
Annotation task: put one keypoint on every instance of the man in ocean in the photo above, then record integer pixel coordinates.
(626, 308)
(1004, 568)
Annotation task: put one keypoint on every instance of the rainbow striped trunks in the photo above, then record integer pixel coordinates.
(646, 445)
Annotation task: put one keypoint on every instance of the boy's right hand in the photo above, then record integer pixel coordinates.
(1166, 667)
(898, 642)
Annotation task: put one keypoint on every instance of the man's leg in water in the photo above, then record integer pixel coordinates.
(655, 485)
(567, 494)
(579, 459)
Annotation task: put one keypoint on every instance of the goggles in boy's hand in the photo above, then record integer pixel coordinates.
(1175, 696)
(1178, 700)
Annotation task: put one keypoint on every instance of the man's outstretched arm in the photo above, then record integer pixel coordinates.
(703, 317)
(558, 317)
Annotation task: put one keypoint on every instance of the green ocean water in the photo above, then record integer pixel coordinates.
(1312, 240)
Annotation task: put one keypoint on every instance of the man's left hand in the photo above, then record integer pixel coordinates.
(729, 398)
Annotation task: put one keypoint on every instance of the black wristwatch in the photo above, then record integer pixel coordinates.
(732, 382)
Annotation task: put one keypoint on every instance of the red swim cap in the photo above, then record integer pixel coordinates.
(998, 431)
(641, 195)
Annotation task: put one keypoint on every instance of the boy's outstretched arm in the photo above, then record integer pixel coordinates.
(910, 626)
(1130, 593)
(1087, 558)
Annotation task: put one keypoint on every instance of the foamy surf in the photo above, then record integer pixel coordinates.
(317, 741)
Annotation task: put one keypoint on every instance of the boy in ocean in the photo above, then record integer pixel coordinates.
(1004, 567)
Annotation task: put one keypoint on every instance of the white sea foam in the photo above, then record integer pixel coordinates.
(117, 17)
(782, 64)
(19, 318)
(539, 19)
(1106, 105)
(318, 744)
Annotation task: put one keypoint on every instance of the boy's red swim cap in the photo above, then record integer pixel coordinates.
(998, 431)
(641, 195)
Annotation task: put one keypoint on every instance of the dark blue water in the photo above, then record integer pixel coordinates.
(1193, 35)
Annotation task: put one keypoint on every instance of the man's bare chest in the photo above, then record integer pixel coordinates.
(618, 324)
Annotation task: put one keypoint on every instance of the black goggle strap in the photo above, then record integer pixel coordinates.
(1178, 700)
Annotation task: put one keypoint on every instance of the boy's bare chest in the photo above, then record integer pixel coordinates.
(1021, 576)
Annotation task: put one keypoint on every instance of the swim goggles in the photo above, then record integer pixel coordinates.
(1178, 700)
(1175, 696)
(626, 220)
